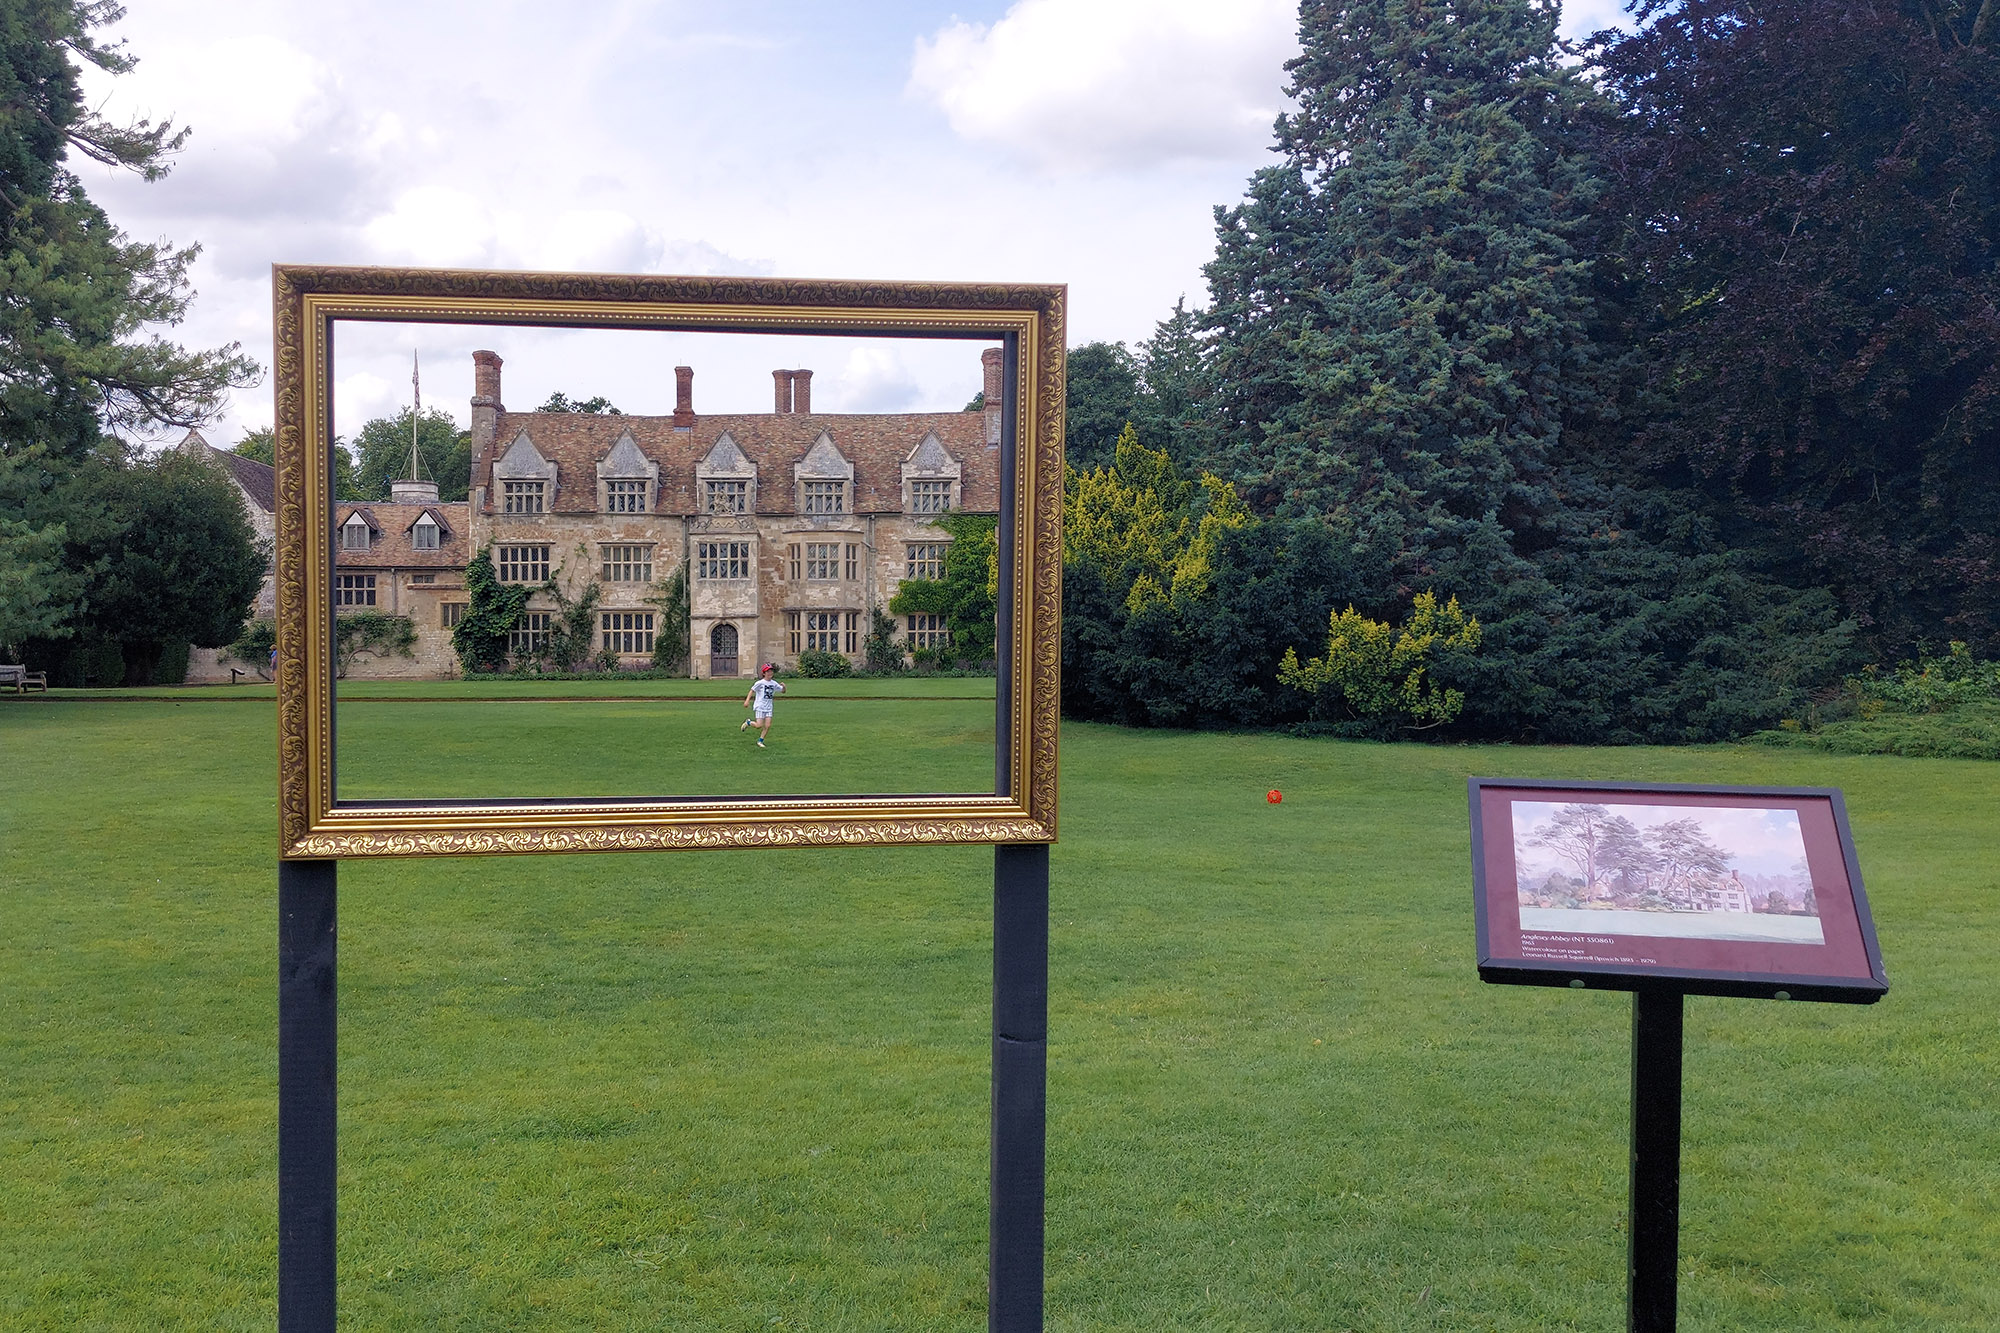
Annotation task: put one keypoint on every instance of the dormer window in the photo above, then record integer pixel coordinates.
(526, 481)
(627, 480)
(424, 534)
(728, 497)
(825, 480)
(354, 534)
(931, 478)
(728, 479)
(825, 497)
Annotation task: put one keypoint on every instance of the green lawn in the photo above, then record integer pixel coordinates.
(406, 740)
(747, 1091)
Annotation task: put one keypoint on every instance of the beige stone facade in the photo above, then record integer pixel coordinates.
(404, 558)
(793, 525)
(256, 488)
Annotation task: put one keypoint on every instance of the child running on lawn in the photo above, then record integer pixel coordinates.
(762, 692)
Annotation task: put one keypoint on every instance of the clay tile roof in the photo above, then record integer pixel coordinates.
(258, 480)
(390, 546)
(875, 443)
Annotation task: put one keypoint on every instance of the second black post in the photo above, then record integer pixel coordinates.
(1652, 1270)
(1020, 1087)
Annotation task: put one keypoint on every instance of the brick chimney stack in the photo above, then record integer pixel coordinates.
(486, 380)
(802, 391)
(990, 362)
(683, 397)
(781, 385)
(486, 410)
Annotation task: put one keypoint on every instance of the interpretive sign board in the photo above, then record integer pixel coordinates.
(1703, 890)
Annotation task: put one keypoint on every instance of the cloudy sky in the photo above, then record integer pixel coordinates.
(1076, 141)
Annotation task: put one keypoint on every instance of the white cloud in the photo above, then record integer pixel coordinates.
(1113, 83)
(275, 133)
(436, 226)
(1580, 18)
(361, 397)
(874, 379)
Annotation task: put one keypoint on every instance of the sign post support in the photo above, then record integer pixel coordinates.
(1652, 1266)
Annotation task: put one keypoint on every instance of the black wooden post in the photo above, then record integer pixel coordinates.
(1653, 1258)
(1020, 1087)
(306, 1097)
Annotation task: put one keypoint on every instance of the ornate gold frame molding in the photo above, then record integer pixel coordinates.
(1027, 318)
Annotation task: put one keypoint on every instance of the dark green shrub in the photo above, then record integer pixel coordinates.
(817, 663)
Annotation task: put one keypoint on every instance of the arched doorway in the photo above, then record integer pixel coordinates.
(722, 651)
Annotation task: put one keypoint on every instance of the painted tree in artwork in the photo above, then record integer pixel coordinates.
(1625, 855)
(1687, 856)
(1577, 834)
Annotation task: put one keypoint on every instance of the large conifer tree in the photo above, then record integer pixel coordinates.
(1406, 315)
(1401, 307)
(76, 296)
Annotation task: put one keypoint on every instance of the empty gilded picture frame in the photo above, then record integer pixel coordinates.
(1020, 328)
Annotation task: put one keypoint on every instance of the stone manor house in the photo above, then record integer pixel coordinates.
(793, 525)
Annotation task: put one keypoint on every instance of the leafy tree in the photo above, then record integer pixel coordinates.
(968, 592)
(38, 595)
(1402, 315)
(1411, 345)
(261, 444)
(492, 611)
(444, 455)
(1627, 856)
(1101, 398)
(32, 602)
(1161, 390)
(1376, 672)
(76, 296)
(1176, 601)
(1812, 190)
(592, 407)
(164, 554)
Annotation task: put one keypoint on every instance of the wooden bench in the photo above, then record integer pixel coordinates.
(23, 679)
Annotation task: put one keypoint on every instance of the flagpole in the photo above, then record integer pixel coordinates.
(416, 410)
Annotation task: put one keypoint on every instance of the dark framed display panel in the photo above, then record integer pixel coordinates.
(1695, 889)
